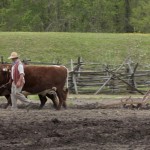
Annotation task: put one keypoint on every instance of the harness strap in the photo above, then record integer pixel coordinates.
(4, 85)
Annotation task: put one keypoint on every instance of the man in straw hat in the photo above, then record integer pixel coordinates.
(17, 76)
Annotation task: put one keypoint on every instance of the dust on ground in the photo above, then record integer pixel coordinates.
(82, 126)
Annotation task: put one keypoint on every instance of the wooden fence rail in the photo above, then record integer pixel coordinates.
(97, 78)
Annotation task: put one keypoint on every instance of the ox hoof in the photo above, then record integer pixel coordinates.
(40, 107)
(65, 106)
(6, 106)
(58, 108)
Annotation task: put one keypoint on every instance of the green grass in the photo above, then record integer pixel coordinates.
(95, 97)
(104, 96)
(96, 47)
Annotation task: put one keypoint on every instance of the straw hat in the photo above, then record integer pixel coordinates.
(13, 55)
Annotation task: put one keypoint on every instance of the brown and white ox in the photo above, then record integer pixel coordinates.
(37, 80)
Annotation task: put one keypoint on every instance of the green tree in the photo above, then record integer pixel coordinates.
(75, 15)
(140, 18)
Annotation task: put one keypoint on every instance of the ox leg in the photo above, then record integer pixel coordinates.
(43, 100)
(65, 104)
(54, 100)
(65, 94)
(8, 101)
(60, 96)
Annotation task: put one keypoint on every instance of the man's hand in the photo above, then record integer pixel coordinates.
(20, 82)
(10, 81)
(18, 85)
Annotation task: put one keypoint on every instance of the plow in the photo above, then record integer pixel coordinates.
(129, 103)
(138, 103)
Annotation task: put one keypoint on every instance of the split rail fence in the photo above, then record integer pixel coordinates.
(95, 78)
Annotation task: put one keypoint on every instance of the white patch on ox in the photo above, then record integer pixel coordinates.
(5, 69)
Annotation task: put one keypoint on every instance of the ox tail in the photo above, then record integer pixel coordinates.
(54, 89)
(67, 83)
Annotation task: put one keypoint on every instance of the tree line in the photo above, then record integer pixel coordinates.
(75, 15)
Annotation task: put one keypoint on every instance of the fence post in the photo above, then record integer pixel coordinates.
(131, 72)
(79, 65)
(73, 77)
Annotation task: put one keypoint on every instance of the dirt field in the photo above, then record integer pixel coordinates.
(82, 126)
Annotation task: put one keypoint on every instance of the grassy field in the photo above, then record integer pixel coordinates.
(96, 47)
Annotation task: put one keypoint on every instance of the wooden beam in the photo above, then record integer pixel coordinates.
(113, 74)
(74, 78)
(109, 79)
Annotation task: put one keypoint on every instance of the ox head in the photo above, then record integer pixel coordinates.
(4, 73)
